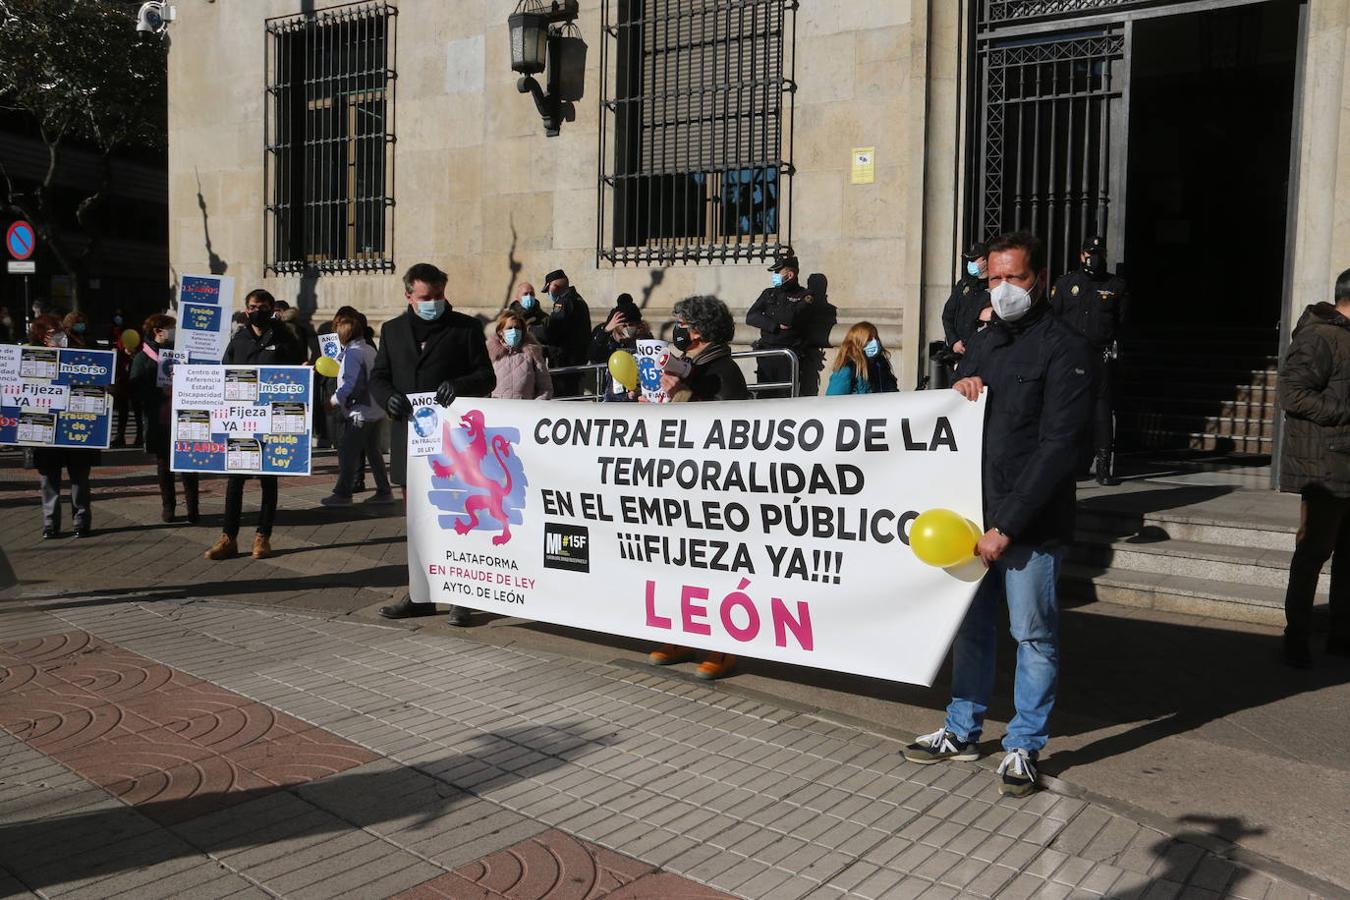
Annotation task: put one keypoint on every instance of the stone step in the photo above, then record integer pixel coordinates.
(1180, 525)
(1170, 376)
(1170, 423)
(1192, 559)
(1176, 440)
(1180, 405)
(1143, 392)
(1182, 362)
(1226, 600)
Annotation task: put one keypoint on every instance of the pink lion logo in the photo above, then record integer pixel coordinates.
(465, 467)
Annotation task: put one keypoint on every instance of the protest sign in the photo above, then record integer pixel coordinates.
(242, 420)
(776, 529)
(330, 346)
(52, 397)
(168, 359)
(204, 304)
(651, 356)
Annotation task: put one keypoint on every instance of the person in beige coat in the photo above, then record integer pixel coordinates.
(519, 361)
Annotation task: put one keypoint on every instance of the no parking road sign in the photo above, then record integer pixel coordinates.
(20, 240)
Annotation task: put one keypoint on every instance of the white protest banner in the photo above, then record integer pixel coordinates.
(203, 332)
(56, 397)
(775, 528)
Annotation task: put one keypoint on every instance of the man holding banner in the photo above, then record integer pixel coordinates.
(428, 348)
(1040, 397)
(264, 341)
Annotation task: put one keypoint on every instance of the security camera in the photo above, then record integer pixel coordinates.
(154, 17)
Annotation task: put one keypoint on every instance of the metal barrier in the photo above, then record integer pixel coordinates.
(598, 371)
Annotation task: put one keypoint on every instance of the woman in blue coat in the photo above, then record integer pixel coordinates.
(862, 365)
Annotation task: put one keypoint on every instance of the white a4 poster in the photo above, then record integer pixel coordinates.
(775, 528)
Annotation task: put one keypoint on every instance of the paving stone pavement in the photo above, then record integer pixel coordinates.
(497, 772)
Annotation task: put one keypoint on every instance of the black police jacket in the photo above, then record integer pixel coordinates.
(1038, 405)
(567, 334)
(961, 312)
(1092, 305)
(788, 305)
(278, 345)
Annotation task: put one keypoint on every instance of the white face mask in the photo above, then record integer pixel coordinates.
(1010, 302)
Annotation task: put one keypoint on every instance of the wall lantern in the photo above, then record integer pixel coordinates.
(543, 37)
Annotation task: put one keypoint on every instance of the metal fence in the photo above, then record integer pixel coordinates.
(695, 130)
(329, 140)
(598, 371)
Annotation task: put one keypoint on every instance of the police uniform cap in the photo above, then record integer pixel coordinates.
(554, 276)
(1093, 244)
(785, 262)
(977, 250)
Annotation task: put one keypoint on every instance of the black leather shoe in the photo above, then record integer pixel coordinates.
(49, 532)
(83, 532)
(406, 609)
(458, 616)
(1296, 654)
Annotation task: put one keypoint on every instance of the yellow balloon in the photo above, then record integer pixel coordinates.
(942, 538)
(624, 368)
(130, 340)
(327, 367)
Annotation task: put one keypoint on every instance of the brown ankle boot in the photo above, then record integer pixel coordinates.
(166, 512)
(262, 546)
(225, 547)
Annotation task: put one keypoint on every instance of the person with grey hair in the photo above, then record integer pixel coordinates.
(703, 332)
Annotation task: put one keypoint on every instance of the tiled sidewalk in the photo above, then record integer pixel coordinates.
(495, 772)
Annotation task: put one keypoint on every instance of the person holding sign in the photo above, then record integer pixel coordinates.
(360, 435)
(47, 331)
(264, 341)
(157, 402)
(428, 348)
(703, 332)
(1038, 372)
(621, 330)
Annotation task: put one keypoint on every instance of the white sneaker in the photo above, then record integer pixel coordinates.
(1018, 773)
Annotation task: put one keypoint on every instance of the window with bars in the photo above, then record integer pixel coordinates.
(696, 130)
(1012, 10)
(330, 137)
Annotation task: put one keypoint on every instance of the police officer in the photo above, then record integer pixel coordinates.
(784, 316)
(1093, 302)
(960, 314)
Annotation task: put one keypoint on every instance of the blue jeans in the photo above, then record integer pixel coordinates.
(1026, 576)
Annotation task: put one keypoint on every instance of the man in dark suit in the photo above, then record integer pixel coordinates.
(428, 348)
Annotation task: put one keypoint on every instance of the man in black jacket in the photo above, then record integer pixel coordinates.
(1040, 392)
(264, 341)
(567, 333)
(428, 348)
(1314, 387)
(1093, 302)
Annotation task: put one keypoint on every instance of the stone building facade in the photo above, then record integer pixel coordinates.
(478, 188)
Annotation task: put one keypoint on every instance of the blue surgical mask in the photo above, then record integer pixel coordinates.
(430, 309)
(973, 269)
(512, 337)
(117, 320)
(777, 279)
(872, 348)
(78, 327)
(527, 301)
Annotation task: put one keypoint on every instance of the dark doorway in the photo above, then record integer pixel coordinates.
(1211, 106)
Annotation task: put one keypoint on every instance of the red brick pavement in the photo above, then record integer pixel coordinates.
(558, 866)
(176, 748)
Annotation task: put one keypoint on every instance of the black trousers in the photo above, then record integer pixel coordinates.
(1103, 430)
(234, 504)
(1324, 532)
(777, 369)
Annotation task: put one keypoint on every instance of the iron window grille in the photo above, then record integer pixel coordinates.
(996, 11)
(695, 130)
(329, 161)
